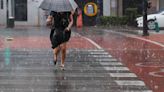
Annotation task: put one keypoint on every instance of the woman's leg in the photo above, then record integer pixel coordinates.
(63, 52)
(51, 34)
(56, 51)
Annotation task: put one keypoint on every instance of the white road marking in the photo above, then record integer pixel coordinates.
(134, 36)
(101, 60)
(121, 82)
(111, 63)
(99, 53)
(138, 91)
(129, 83)
(107, 56)
(117, 68)
(123, 75)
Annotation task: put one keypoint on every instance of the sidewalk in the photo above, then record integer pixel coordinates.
(153, 36)
(37, 37)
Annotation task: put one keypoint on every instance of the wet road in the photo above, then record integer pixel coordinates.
(26, 63)
(142, 55)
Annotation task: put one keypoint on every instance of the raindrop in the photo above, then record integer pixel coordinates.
(153, 55)
(162, 70)
(38, 80)
(84, 89)
(156, 87)
(32, 90)
(56, 89)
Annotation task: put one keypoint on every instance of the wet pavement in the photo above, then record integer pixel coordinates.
(142, 55)
(97, 60)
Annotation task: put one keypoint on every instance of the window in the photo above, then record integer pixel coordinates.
(161, 4)
(21, 10)
(1, 4)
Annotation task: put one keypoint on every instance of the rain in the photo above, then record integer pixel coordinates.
(81, 46)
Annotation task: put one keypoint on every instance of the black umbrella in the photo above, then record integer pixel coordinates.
(59, 5)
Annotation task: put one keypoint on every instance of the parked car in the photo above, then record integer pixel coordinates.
(151, 19)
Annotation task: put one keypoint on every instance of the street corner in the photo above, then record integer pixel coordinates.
(158, 38)
(142, 56)
(80, 42)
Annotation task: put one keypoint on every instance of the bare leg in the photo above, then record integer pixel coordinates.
(56, 51)
(63, 52)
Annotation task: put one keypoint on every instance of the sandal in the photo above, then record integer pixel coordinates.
(55, 61)
(62, 66)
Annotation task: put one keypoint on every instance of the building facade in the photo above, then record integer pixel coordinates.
(156, 5)
(28, 13)
(2, 12)
(25, 12)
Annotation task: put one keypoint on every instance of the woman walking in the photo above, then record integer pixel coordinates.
(60, 33)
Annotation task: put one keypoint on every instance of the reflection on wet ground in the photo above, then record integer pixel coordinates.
(142, 57)
(32, 70)
(88, 69)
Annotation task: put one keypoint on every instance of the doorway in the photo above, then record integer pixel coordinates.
(20, 10)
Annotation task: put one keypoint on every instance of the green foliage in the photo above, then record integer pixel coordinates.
(131, 13)
(113, 20)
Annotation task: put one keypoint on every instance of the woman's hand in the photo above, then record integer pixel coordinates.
(70, 22)
(67, 29)
(49, 21)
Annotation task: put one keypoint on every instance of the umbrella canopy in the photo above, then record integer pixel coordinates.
(59, 5)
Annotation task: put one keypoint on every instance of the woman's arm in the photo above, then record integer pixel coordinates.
(71, 22)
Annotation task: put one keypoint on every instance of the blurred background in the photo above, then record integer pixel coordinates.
(28, 13)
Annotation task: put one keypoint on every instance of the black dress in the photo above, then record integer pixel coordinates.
(58, 34)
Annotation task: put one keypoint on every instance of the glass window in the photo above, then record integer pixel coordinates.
(21, 10)
(1, 4)
(161, 4)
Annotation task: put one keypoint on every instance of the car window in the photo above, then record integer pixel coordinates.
(161, 12)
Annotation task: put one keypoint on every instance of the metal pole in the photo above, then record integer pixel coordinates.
(145, 28)
(12, 8)
(13, 12)
(7, 13)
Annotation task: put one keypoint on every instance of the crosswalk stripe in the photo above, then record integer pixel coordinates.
(102, 56)
(106, 59)
(111, 63)
(99, 53)
(138, 91)
(122, 75)
(117, 68)
(129, 83)
(102, 61)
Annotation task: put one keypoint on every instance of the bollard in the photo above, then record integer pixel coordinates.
(156, 27)
(10, 23)
(79, 21)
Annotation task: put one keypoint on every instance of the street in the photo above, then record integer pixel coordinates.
(97, 60)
